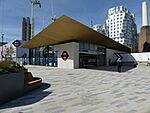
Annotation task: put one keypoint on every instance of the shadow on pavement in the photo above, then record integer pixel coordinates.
(112, 68)
(29, 98)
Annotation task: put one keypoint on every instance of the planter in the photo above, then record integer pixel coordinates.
(11, 86)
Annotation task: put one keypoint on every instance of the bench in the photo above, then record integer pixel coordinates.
(31, 82)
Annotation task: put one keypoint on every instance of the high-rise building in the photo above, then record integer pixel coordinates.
(101, 28)
(122, 27)
(144, 35)
(26, 29)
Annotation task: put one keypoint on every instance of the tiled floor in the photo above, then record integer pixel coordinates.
(86, 91)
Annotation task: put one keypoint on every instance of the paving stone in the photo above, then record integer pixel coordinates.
(131, 111)
(119, 95)
(89, 110)
(133, 98)
(141, 100)
(86, 91)
(122, 104)
(116, 101)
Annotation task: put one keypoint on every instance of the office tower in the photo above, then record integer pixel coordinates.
(101, 28)
(122, 27)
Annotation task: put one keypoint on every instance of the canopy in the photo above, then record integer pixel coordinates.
(66, 29)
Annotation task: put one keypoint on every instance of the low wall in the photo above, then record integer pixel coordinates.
(11, 86)
(140, 57)
(110, 55)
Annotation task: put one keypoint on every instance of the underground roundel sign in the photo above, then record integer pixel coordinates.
(64, 55)
(16, 43)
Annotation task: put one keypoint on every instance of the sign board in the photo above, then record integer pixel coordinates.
(16, 43)
(64, 55)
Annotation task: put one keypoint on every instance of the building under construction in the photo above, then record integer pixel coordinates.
(26, 29)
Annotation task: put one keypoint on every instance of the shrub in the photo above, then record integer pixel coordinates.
(9, 66)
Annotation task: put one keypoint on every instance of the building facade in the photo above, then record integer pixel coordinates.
(122, 27)
(101, 28)
(74, 45)
(144, 35)
(26, 29)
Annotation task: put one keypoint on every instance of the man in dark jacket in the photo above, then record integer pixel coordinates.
(119, 64)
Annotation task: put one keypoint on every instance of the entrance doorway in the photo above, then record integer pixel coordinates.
(91, 60)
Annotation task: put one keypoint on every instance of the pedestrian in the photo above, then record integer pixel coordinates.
(119, 64)
(148, 62)
(109, 62)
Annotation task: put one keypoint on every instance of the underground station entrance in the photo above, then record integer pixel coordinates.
(91, 55)
(76, 45)
(91, 60)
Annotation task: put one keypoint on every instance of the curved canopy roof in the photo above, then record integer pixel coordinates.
(66, 29)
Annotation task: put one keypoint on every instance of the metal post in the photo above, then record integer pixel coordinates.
(48, 55)
(35, 56)
(53, 60)
(39, 56)
(2, 45)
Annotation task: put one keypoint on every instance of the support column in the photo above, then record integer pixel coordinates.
(68, 55)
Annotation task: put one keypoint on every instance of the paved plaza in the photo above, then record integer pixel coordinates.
(101, 90)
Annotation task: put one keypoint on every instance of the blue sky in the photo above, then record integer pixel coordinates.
(82, 10)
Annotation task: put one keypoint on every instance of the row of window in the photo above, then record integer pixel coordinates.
(89, 46)
(111, 20)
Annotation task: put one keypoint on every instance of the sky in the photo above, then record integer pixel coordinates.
(84, 11)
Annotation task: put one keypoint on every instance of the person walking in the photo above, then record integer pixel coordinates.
(148, 62)
(119, 64)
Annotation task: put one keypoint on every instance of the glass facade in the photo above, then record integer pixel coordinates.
(89, 47)
(91, 55)
(44, 56)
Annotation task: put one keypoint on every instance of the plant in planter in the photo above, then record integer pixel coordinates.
(10, 67)
(11, 81)
(15, 81)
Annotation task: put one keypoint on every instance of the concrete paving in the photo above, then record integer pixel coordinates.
(86, 91)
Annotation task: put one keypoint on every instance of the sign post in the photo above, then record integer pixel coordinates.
(16, 43)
